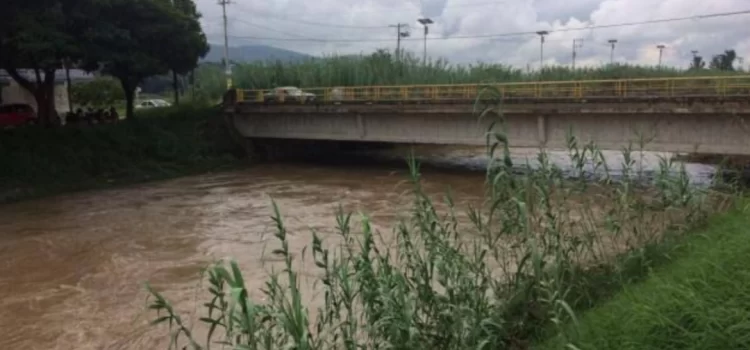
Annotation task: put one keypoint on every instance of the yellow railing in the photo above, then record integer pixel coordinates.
(589, 89)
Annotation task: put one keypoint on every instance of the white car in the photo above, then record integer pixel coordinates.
(289, 92)
(156, 103)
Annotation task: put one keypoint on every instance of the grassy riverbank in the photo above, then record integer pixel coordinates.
(542, 247)
(700, 300)
(159, 144)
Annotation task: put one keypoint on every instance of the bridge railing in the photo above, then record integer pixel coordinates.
(578, 90)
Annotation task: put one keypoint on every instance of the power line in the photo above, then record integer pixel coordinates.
(320, 24)
(511, 34)
(268, 28)
(282, 18)
(476, 4)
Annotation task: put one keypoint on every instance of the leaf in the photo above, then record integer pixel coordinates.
(160, 320)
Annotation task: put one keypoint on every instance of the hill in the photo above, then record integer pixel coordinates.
(251, 53)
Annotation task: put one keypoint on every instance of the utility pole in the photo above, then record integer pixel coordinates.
(612, 51)
(577, 44)
(227, 67)
(661, 49)
(399, 35)
(541, 33)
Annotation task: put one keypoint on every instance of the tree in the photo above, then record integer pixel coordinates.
(187, 42)
(136, 39)
(36, 37)
(698, 63)
(126, 42)
(724, 61)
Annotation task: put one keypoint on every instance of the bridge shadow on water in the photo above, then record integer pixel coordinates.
(466, 159)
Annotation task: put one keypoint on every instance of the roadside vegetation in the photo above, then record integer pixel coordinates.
(700, 300)
(543, 247)
(383, 68)
(162, 143)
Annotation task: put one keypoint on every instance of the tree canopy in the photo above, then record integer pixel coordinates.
(724, 61)
(127, 39)
(698, 63)
(37, 35)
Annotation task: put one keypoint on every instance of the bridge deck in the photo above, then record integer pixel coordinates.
(701, 115)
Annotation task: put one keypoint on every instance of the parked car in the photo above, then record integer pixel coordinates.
(155, 103)
(16, 114)
(288, 93)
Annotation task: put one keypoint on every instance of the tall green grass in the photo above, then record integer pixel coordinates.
(700, 300)
(382, 68)
(160, 143)
(515, 268)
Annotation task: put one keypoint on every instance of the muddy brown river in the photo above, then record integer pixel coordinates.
(73, 267)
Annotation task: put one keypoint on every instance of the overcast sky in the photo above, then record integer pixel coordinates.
(362, 26)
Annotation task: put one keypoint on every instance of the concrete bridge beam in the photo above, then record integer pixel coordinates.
(698, 128)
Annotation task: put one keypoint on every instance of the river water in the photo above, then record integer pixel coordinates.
(73, 267)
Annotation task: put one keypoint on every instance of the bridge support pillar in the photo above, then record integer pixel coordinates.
(541, 129)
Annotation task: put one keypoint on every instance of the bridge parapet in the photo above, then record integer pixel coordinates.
(658, 89)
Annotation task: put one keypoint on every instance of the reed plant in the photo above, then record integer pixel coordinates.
(543, 245)
(383, 68)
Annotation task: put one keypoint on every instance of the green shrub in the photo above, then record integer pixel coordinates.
(158, 143)
(382, 68)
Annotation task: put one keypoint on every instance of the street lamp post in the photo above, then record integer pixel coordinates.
(612, 42)
(661, 49)
(425, 22)
(541, 34)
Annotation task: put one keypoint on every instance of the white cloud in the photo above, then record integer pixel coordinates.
(292, 19)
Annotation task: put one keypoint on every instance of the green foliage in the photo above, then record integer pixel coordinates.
(127, 39)
(98, 93)
(382, 68)
(698, 301)
(186, 44)
(697, 63)
(167, 142)
(38, 35)
(521, 263)
(724, 61)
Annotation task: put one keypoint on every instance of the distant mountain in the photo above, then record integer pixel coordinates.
(253, 53)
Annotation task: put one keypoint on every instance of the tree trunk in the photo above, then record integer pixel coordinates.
(192, 84)
(68, 85)
(175, 88)
(48, 88)
(42, 108)
(129, 90)
(43, 91)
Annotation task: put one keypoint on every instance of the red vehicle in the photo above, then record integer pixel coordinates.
(16, 114)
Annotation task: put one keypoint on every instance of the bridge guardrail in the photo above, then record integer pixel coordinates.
(585, 89)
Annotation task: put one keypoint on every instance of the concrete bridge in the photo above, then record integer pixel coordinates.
(691, 115)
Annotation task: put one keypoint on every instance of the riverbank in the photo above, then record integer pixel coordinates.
(699, 300)
(159, 144)
(539, 247)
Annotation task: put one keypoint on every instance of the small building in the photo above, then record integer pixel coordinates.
(12, 92)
